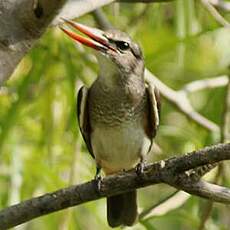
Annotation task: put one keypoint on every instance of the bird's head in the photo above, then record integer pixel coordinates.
(115, 49)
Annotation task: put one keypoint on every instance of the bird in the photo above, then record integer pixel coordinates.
(119, 114)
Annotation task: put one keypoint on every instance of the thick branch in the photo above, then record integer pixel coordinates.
(22, 22)
(207, 190)
(170, 171)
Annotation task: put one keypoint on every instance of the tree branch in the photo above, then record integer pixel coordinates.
(208, 83)
(216, 15)
(172, 202)
(77, 8)
(221, 4)
(171, 171)
(22, 22)
(181, 101)
(101, 19)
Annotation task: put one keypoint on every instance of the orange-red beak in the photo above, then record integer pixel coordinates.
(98, 41)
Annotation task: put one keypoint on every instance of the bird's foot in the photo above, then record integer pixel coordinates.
(98, 180)
(140, 168)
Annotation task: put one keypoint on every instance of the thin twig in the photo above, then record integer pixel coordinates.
(100, 18)
(181, 101)
(221, 4)
(166, 205)
(207, 211)
(218, 17)
(208, 83)
(206, 214)
(208, 206)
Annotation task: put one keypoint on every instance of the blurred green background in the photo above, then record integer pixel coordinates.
(41, 149)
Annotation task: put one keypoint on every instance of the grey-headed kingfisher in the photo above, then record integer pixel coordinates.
(119, 114)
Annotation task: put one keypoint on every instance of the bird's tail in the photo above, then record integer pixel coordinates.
(122, 209)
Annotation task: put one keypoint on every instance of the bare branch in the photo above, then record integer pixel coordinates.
(170, 203)
(208, 83)
(208, 206)
(207, 190)
(171, 171)
(221, 4)
(206, 214)
(178, 198)
(77, 8)
(101, 19)
(180, 99)
(22, 22)
(218, 17)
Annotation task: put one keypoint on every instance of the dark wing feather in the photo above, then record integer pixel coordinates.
(83, 117)
(154, 105)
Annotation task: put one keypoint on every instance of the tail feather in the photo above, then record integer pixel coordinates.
(122, 209)
(130, 208)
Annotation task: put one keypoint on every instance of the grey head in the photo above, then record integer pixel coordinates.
(116, 51)
(125, 56)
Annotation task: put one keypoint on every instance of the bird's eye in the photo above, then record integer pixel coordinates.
(122, 45)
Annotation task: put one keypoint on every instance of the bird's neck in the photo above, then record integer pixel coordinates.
(111, 77)
(109, 74)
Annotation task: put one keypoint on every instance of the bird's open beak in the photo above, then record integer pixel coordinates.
(96, 39)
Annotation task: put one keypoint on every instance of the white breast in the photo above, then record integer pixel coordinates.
(119, 148)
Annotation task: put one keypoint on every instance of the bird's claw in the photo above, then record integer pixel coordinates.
(98, 180)
(140, 168)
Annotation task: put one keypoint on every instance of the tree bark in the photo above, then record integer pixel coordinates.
(22, 22)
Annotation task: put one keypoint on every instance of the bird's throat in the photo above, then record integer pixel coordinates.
(108, 71)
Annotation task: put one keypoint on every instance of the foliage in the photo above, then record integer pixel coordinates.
(40, 146)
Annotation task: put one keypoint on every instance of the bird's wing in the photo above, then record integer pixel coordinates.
(83, 117)
(153, 110)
